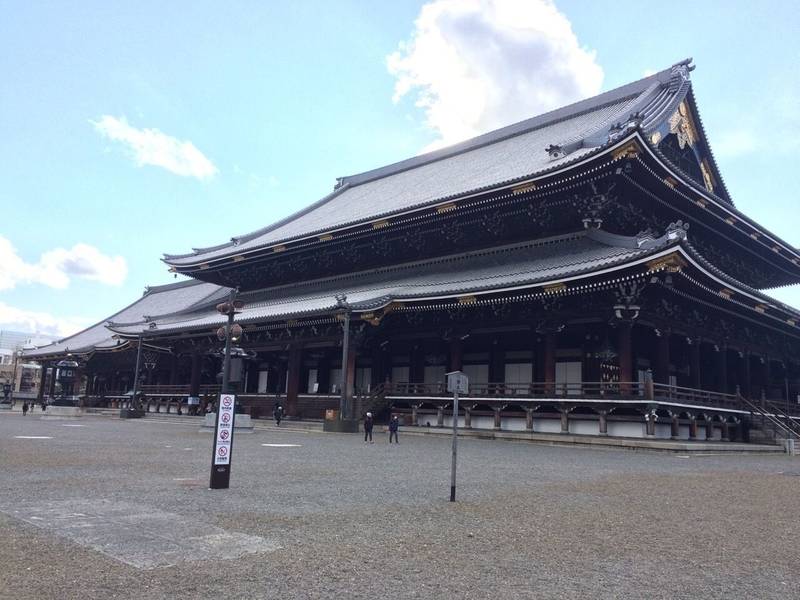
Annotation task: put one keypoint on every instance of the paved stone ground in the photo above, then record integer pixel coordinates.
(121, 509)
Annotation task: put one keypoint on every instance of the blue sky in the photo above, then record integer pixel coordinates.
(152, 127)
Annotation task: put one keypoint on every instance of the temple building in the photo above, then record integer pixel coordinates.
(586, 268)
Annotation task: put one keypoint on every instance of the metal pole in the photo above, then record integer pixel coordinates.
(455, 441)
(343, 407)
(227, 362)
(136, 375)
(14, 374)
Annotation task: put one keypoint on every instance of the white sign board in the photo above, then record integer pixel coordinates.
(457, 382)
(225, 416)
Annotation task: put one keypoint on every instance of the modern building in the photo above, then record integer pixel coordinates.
(21, 373)
(586, 268)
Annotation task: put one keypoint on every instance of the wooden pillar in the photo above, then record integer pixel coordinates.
(603, 422)
(173, 369)
(625, 345)
(467, 417)
(440, 416)
(52, 392)
(747, 389)
(693, 428)
(722, 369)
(766, 382)
(550, 362)
(194, 378)
(564, 420)
(497, 362)
(416, 371)
(529, 419)
(675, 428)
(456, 354)
(293, 381)
(496, 417)
(324, 373)
(725, 432)
(709, 428)
(661, 363)
(414, 408)
(42, 381)
(694, 364)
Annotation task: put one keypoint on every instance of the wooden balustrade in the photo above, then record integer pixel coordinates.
(633, 390)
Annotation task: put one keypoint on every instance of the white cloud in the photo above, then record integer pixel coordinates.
(56, 268)
(39, 322)
(152, 147)
(475, 65)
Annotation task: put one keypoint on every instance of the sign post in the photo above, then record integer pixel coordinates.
(457, 383)
(223, 442)
(226, 410)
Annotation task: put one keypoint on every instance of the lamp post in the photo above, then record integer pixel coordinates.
(344, 307)
(134, 410)
(226, 414)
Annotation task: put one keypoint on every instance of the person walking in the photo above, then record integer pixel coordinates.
(394, 425)
(24, 408)
(368, 423)
(277, 412)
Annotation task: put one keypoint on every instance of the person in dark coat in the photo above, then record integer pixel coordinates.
(277, 412)
(394, 425)
(368, 423)
(24, 408)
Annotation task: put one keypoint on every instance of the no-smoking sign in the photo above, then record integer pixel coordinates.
(223, 442)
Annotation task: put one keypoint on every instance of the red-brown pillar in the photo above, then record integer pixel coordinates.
(456, 353)
(497, 363)
(42, 381)
(747, 389)
(625, 345)
(550, 362)
(194, 378)
(52, 391)
(293, 381)
(173, 370)
(661, 366)
(694, 364)
(767, 377)
(722, 369)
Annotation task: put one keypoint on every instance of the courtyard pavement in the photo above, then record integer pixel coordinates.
(97, 507)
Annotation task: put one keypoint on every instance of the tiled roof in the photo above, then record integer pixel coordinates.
(481, 271)
(155, 301)
(502, 156)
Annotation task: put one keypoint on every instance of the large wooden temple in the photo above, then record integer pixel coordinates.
(586, 268)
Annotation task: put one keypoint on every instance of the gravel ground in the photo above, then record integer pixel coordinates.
(366, 521)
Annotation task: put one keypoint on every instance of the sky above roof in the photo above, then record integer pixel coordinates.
(148, 128)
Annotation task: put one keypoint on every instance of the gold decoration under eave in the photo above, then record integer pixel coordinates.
(672, 263)
(655, 138)
(555, 288)
(682, 125)
(708, 178)
(522, 188)
(627, 151)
